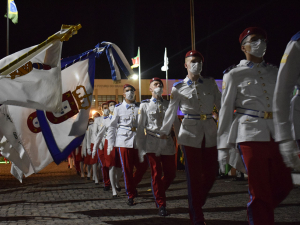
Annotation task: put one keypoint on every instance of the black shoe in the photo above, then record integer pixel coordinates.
(88, 178)
(136, 193)
(78, 173)
(96, 183)
(162, 211)
(238, 179)
(115, 196)
(130, 202)
(118, 189)
(106, 188)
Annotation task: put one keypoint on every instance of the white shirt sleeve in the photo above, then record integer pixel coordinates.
(171, 112)
(226, 111)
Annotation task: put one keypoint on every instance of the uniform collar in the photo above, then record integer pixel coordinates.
(106, 117)
(156, 100)
(189, 82)
(252, 64)
(130, 105)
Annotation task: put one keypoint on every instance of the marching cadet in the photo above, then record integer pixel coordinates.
(286, 118)
(196, 96)
(110, 160)
(160, 152)
(248, 88)
(105, 168)
(85, 145)
(121, 134)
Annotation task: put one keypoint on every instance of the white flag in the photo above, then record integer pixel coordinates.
(32, 77)
(166, 62)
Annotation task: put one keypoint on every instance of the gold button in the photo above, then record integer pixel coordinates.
(247, 120)
(267, 98)
(197, 93)
(265, 91)
(249, 82)
(268, 105)
(258, 71)
(263, 84)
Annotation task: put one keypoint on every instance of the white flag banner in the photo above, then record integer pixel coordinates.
(32, 77)
(166, 62)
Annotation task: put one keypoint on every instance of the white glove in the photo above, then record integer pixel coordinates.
(290, 154)
(101, 146)
(89, 151)
(93, 153)
(223, 158)
(109, 149)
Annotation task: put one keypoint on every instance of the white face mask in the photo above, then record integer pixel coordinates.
(111, 108)
(130, 95)
(91, 122)
(106, 112)
(195, 68)
(258, 48)
(158, 91)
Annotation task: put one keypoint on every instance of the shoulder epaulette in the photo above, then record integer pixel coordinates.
(179, 82)
(146, 101)
(118, 104)
(229, 68)
(296, 37)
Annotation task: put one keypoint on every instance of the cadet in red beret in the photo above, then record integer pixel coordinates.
(196, 96)
(249, 88)
(122, 134)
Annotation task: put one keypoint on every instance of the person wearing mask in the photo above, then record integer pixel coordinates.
(111, 160)
(196, 97)
(122, 134)
(285, 108)
(86, 146)
(248, 88)
(160, 152)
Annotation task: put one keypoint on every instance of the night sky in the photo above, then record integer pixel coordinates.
(154, 25)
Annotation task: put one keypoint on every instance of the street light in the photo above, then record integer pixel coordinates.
(135, 77)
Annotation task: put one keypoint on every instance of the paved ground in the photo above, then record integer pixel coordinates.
(57, 195)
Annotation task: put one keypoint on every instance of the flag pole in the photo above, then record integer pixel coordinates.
(7, 30)
(140, 91)
(192, 24)
(167, 83)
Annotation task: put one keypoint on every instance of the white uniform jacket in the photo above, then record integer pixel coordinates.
(97, 125)
(87, 141)
(151, 115)
(101, 135)
(248, 88)
(122, 130)
(194, 99)
(286, 119)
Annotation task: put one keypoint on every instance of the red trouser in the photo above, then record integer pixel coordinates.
(200, 166)
(159, 164)
(269, 180)
(129, 159)
(104, 169)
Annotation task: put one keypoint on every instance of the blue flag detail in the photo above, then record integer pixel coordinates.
(58, 155)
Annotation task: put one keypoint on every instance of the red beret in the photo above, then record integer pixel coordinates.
(104, 103)
(195, 54)
(252, 30)
(128, 85)
(156, 79)
(111, 101)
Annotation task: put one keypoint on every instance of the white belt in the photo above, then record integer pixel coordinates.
(198, 116)
(255, 113)
(127, 128)
(151, 133)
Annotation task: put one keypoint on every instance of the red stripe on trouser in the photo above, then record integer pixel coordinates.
(202, 165)
(269, 180)
(130, 159)
(105, 169)
(159, 164)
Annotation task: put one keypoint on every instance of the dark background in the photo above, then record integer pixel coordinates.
(154, 25)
